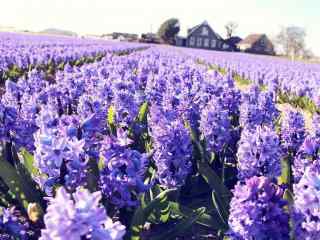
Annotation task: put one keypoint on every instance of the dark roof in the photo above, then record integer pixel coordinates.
(251, 39)
(191, 30)
(233, 40)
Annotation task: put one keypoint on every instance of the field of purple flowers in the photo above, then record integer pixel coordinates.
(107, 141)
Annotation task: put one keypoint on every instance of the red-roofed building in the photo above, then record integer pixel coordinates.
(257, 43)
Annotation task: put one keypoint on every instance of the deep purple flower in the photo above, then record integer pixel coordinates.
(292, 130)
(257, 108)
(121, 179)
(172, 147)
(259, 153)
(126, 106)
(12, 225)
(215, 126)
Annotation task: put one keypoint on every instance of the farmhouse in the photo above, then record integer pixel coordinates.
(203, 36)
(257, 43)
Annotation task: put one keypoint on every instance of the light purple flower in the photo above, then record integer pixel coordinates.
(72, 217)
(307, 203)
(257, 211)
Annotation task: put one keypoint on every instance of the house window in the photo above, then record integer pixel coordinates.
(262, 42)
(199, 42)
(213, 43)
(206, 42)
(191, 41)
(225, 46)
(205, 31)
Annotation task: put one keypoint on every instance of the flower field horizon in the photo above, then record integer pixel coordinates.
(115, 140)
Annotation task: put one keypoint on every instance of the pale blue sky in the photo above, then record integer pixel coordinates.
(103, 16)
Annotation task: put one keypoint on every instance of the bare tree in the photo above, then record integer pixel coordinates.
(231, 28)
(292, 41)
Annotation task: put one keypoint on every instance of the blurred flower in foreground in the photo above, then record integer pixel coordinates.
(306, 204)
(78, 216)
(11, 225)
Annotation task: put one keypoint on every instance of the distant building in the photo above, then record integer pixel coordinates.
(130, 37)
(233, 42)
(257, 43)
(203, 36)
(91, 36)
(181, 41)
(150, 38)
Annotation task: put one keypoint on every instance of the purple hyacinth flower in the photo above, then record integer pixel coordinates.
(172, 147)
(80, 215)
(12, 225)
(215, 126)
(292, 130)
(257, 211)
(306, 204)
(308, 154)
(121, 179)
(259, 153)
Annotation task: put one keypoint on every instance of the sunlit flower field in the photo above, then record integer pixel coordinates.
(113, 140)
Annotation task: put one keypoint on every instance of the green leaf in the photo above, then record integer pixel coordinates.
(24, 192)
(93, 175)
(181, 227)
(5, 196)
(195, 187)
(286, 174)
(141, 215)
(61, 66)
(214, 181)
(143, 111)
(28, 162)
(212, 158)
(165, 212)
(221, 207)
(288, 195)
(162, 212)
(101, 163)
(26, 176)
(206, 219)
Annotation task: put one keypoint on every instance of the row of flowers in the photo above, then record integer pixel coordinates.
(20, 53)
(153, 138)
